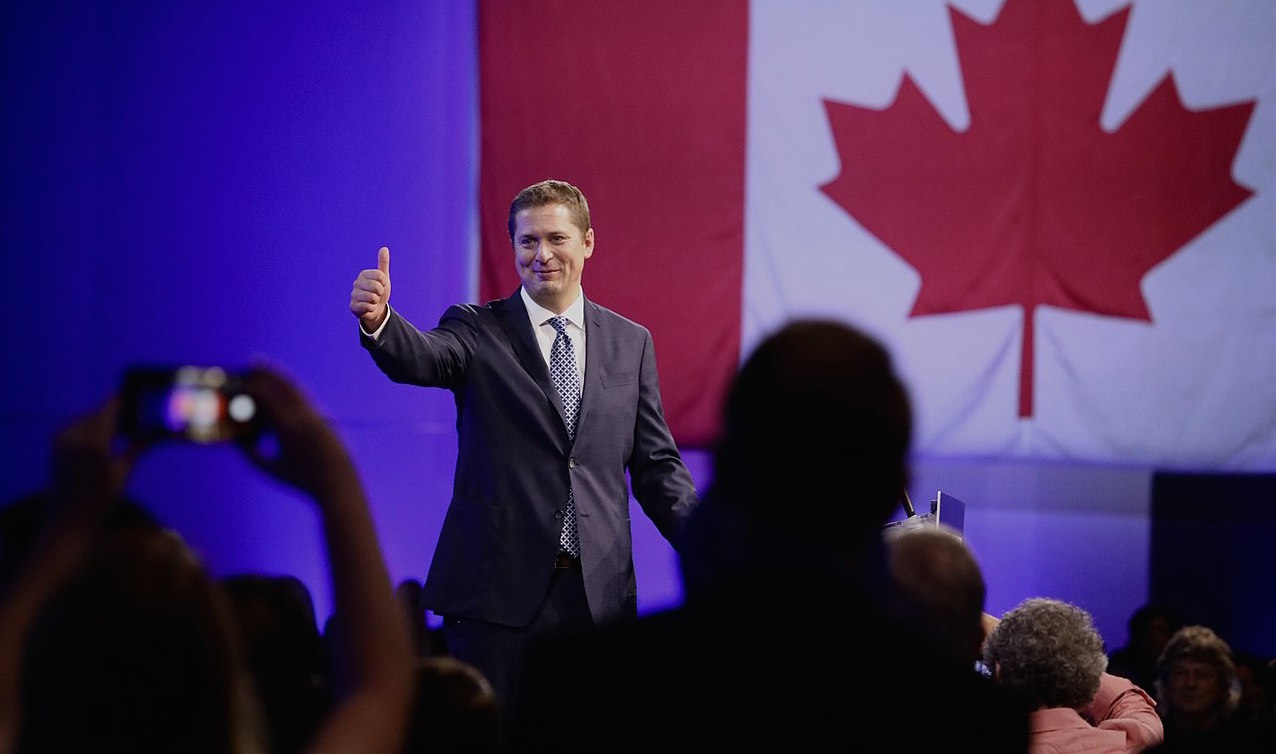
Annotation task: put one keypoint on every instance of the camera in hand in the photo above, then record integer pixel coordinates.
(188, 403)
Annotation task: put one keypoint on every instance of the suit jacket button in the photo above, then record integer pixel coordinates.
(571, 463)
(558, 515)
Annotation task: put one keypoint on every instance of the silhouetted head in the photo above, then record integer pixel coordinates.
(455, 712)
(138, 653)
(943, 587)
(817, 428)
(23, 519)
(1150, 627)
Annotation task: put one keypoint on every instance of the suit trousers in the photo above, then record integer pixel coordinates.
(498, 650)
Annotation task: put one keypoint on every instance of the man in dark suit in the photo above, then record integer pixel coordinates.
(539, 463)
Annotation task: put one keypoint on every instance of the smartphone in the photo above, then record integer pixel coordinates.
(187, 403)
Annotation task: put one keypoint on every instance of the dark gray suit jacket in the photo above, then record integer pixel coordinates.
(496, 550)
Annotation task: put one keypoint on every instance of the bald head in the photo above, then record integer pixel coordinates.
(943, 585)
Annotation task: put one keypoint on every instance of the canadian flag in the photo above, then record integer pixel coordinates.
(1058, 214)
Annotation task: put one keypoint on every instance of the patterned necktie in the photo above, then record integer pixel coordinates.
(562, 370)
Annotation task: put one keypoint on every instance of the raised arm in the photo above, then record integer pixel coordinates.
(371, 715)
(1121, 705)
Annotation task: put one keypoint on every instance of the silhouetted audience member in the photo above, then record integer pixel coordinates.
(132, 643)
(23, 520)
(1148, 628)
(137, 653)
(456, 710)
(1048, 653)
(1254, 675)
(943, 588)
(808, 470)
(280, 633)
(20, 523)
(1199, 695)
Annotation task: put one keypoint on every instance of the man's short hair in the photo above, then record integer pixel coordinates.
(551, 191)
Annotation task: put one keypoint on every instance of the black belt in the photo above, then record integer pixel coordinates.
(566, 561)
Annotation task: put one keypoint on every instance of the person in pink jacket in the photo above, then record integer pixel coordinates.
(1049, 655)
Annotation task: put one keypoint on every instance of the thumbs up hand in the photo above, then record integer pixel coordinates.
(371, 293)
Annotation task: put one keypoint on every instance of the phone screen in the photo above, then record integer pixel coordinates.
(190, 403)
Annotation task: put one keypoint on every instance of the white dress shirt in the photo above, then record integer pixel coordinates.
(545, 332)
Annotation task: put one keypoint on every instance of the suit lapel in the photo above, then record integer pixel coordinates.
(591, 388)
(518, 329)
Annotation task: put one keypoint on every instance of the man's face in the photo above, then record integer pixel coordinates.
(1195, 687)
(550, 254)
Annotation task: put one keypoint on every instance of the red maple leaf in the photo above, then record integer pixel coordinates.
(1035, 204)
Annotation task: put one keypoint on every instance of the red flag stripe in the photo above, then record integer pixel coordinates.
(655, 138)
